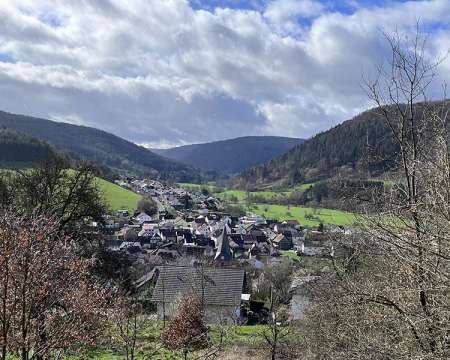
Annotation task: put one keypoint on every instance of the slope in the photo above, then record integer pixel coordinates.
(233, 155)
(99, 146)
(116, 197)
(20, 150)
(362, 146)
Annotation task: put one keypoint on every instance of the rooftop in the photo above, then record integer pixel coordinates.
(221, 286)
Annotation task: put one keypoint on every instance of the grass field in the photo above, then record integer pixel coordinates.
(117, 197)
(306, 216)
(148, 340)
(269, 194)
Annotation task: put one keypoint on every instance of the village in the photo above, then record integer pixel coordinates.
(186, 237)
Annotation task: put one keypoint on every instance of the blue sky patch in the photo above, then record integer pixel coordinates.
(6, 58)
(50, 20)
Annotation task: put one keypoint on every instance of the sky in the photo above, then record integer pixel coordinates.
(163, 73)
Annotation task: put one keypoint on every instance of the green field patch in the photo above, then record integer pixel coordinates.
(117, 197)
(305, 215)
(280, 194)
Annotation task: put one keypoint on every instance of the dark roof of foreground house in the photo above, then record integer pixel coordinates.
(222, 286)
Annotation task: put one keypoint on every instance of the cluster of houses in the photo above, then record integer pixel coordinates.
(191, 228)
(201, 235)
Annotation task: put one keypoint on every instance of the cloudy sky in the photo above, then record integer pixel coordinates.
(171, 72)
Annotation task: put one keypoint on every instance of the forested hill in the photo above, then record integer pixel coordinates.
(361, 146)
(100, 147)
(231, 156)
(20, 150)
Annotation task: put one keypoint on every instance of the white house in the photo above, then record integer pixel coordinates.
(143, 217)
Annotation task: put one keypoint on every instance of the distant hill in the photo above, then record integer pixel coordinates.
(100, 147)
(362, 147)
(20, 150)
(231, 156)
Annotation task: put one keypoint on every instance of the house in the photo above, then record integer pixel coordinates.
(191, 250)
(252, 219)
(202, 240)
(131, 247)
(282, 242)
(203, 230)
(260, 251)
(122, 213)
(148, 231)
(201, 220)
(143, 217)
(127, 234)
(168, 233)
(256, 235)
(219, 290)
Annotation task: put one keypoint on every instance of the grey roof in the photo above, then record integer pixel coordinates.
(223, 246)
(222, 286)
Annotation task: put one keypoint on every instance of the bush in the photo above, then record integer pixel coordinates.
(147, 205)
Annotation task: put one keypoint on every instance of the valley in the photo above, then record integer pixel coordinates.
(224, 180)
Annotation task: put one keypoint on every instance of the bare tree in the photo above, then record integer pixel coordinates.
(275, 335)
(273, 288)
(127, 323)
(49, 303)
(392, 283)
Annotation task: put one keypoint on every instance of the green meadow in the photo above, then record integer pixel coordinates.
(241, 195)
(116, 197)
(305, 215)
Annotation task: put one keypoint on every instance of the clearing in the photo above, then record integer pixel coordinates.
(117, 197)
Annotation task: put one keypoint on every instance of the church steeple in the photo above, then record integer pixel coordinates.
(223, 252)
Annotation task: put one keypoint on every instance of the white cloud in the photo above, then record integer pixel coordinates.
(161, 72)
(284, 15)
(68, 118)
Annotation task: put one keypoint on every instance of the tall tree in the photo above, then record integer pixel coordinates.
(66, 191)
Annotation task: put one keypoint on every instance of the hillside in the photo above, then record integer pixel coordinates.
(362, 146)
(20, 150)
(231, 156)
(100, 147)
(118, 198)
